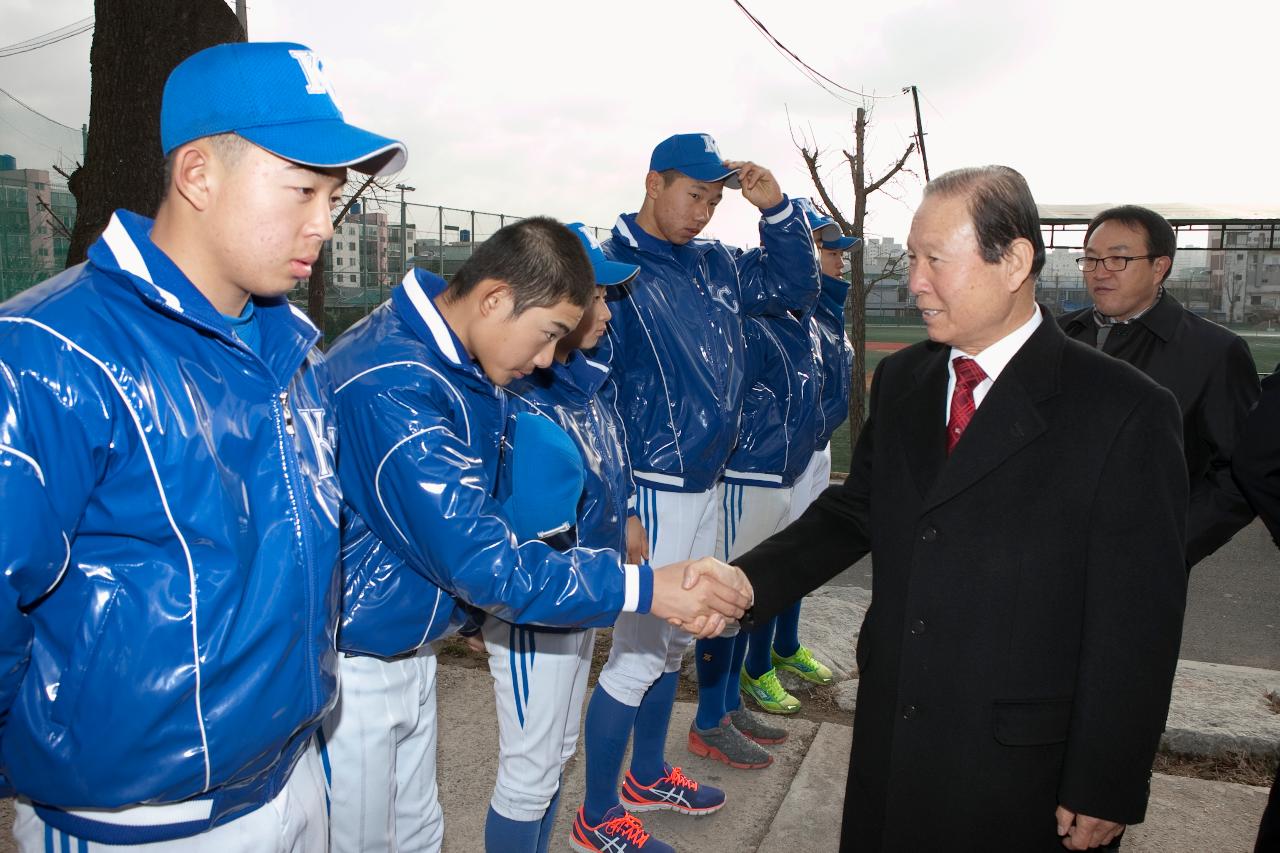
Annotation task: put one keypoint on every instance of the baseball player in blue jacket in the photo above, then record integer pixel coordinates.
(775, 440)
(422, 416)
(170, 544)
(540, 674)
(679, 366)
(776, 645)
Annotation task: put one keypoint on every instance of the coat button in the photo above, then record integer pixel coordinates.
(917, 627)
(909, 712)
(929, 534)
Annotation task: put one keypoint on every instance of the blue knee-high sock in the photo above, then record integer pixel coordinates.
(504, 835)
(732, 696)
(605, 735)
(648, 753)
(715, 664)
(762, 640)
(786, 639)
(549, 819)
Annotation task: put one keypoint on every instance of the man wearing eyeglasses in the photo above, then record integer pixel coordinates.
(1128, 254)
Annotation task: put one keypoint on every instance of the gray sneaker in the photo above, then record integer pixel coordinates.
(725, 743)
(754, 727)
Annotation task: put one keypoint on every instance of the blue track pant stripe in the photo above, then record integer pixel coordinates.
(515, 687)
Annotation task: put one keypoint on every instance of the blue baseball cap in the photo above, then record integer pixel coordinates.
(608, 273)
(276, 95)
(823, 227)
(842, 243)
(546, 478)
(695, 155)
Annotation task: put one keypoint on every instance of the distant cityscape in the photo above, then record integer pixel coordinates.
(1236, 280)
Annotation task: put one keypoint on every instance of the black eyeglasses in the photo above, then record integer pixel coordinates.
(1111, 263)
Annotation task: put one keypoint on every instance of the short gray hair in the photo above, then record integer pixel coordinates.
(1001, 207)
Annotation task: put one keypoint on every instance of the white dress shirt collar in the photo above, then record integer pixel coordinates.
(992, 360)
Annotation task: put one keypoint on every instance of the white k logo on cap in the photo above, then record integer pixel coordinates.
(711, 145)
(317, 81)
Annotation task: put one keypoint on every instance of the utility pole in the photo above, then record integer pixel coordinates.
(915, 96)
(404, 250)
(242, 14)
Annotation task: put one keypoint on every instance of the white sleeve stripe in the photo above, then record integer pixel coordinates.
(631, 600)
(780, 215)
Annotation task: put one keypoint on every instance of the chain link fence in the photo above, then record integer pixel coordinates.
(380, 238)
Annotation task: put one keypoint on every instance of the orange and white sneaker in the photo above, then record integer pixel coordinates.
(674, 791)
(618, 832)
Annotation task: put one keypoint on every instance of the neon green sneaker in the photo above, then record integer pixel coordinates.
(768, 693)
(805, 665)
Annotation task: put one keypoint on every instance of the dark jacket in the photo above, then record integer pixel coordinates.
(1027, 597)
(1210, 371)
(1256, 462)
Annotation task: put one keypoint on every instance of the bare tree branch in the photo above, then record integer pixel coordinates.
(892, 269)
(56, 221)
(811, 161)
(897, 167)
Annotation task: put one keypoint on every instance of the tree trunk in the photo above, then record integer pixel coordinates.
(136, 43)
(855, 310)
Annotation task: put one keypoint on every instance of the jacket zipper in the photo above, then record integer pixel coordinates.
(292, 479)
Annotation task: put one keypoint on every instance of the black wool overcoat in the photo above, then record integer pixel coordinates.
(1027, 599)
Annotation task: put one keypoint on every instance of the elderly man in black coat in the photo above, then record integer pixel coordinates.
(1024, 500)
(1128, 255)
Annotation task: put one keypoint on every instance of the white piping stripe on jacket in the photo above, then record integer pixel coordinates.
(168, 513)
(377, 477)
(462, 406)
(129, 258)
(5, 448)
(427, 311)
(666, 390)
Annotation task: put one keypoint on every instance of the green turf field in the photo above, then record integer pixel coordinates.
(1265, 347)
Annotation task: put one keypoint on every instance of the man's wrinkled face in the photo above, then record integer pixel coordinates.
(964, 300)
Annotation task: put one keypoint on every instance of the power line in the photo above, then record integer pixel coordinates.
(36, 111)
(805, 68)
(52, 37)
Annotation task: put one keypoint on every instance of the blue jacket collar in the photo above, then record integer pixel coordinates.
(835, 288)
(414, 299)
(125, 249)
(585, 374)
(627, 231)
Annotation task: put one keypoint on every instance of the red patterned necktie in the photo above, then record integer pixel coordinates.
(968, 375)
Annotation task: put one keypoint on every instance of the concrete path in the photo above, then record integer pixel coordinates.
(793, 804)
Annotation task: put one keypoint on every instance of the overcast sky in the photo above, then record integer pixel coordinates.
(554, 107)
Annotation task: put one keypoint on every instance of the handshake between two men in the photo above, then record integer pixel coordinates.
(700, 596)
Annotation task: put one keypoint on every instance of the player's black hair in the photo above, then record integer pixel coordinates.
(538, 258)
(229, 147)
(1001, 207)
(1161, 241)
